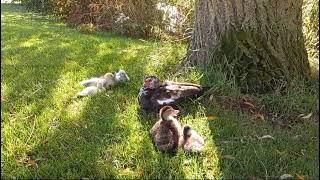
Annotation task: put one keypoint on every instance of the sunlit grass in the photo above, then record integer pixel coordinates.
(104, 135)
(310, 13)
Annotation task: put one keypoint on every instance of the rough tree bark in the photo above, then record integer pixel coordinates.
(257, 42)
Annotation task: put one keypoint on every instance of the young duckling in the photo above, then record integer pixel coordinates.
(191, 140)
(96, 85)
(167, 131)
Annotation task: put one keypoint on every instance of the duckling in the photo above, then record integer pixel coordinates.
(155, 94)
(191, 140)
(96, 85)
(166, 133)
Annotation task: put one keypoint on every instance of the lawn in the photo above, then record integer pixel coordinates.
(47, 133)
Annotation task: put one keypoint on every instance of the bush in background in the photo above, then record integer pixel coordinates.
(44, 6)
(142, 18)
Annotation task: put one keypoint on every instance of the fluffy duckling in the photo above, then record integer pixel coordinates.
(191, 140)
(155, 94)
(96, 85)
(166, 132)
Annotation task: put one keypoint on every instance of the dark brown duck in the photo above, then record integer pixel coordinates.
(155, 94)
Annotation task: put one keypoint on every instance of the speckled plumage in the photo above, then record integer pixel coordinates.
(167, 131)
(155, 94)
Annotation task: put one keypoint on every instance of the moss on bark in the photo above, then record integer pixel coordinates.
(257, 43)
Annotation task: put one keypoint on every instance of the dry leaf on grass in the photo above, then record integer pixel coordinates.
(187, 162)
(280, 152)
(210, 118)
(303, 116)
(299, 177)
(307, 116)
(225, 142)
(45, 141)
(266, 137)
(260, 116)
(32, 163)
(286, 176)
(76, 124)
(229, 157)
(249, 104)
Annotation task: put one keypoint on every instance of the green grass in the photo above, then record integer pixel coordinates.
(104, 135)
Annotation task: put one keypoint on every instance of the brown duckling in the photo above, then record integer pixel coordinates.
(155, 94)
(191, 140)
(167, 131)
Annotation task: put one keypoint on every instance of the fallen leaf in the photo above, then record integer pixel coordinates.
(76, 124)
(211, 98)
(286, 176)
(296, 137)
(229, 157)
(260, 116)
(225, 142)
(249, 104)
(300, 115)
(210, 118)
(32, 162)
(307, 116)
(267, 137)
(45, 141)
(187, 162)
(299, 177)
(280, 152)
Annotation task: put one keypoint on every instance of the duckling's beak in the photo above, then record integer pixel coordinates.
(176, 112)
(127, 77)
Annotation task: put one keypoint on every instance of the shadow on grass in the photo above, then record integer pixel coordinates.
(242, 151)
(158, 164)
(90, 137)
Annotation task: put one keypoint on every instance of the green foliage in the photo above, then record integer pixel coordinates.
(138, 18)
(44, 6)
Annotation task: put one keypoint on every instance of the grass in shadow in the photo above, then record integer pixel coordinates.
(253, 147)
(97, 136)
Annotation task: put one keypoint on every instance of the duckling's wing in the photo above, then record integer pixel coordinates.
(165, 141)
(89, 90)
(90, 82)
(193, 146)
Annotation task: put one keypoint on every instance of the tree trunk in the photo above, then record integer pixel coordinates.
(257, 42)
